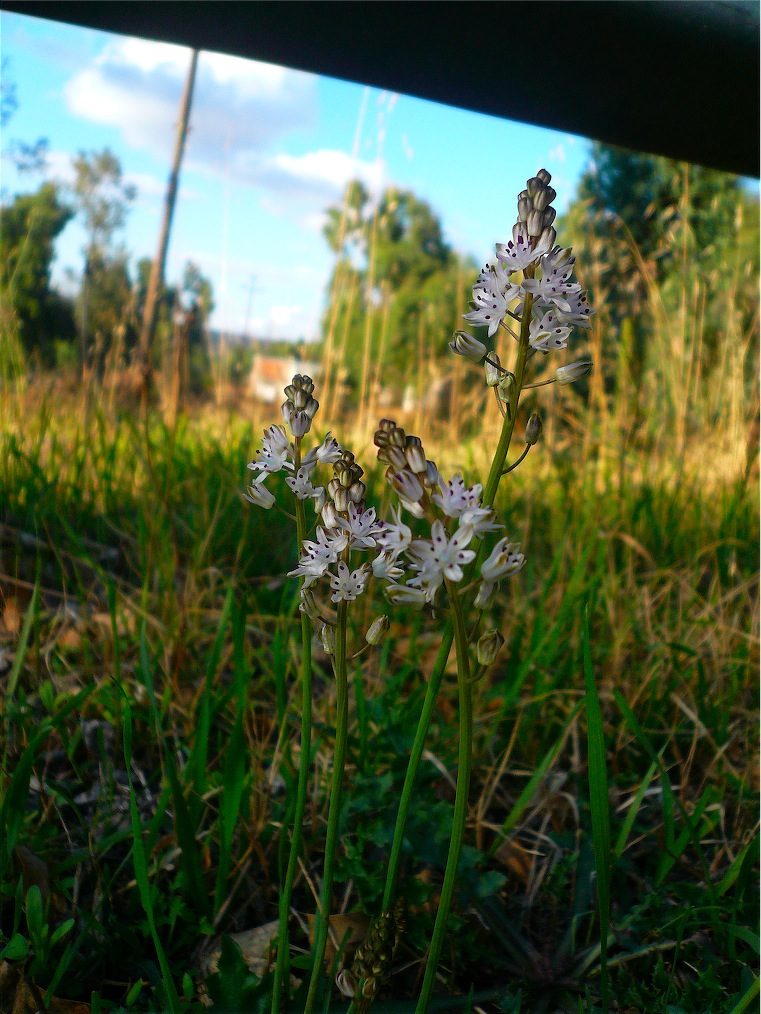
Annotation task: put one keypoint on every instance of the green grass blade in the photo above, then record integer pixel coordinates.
(141, 867)
(631, 815)
(18, 661)
(747, 1000)
(528, 793)
(598, 799)
(186, 833)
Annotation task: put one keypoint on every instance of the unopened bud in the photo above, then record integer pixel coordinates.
(377, 630)
(506, 386)
(544, 176)
(548, 217)
(544, 198)
(548, 237)
(573, 371)
(415, 455)
(328, 638)
(534, 186)
(308, 605)
(492, 369)
(488, 647)
(300, 424)
(533, 429)
(341, 499)
(535, 223)
(406, 484)
(464, 344)
(525, 207)
(357, 492)
(485, 594)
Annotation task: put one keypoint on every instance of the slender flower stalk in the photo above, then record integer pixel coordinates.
(464, 762)
(322, 922)
(282, 968)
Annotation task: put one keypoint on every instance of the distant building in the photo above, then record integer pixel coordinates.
(271, 374)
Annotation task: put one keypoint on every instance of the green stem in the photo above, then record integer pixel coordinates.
(434, 683)
(416, 754)
(331, 840)
(282, 968)
(464, 762)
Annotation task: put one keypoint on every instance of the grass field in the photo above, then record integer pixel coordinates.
(149, 657)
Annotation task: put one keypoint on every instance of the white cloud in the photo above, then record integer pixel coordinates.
(558, 153)
(239, 106)
(312, 180)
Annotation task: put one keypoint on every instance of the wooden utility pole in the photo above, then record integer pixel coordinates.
(156, 280)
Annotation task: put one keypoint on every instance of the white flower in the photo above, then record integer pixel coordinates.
(395, 536)
(504, 561)
(455, 497)
(552, 291)
(274, 453)
(301, 485)
(319, 555)
(258, 493)
(492, 294)
(327, 453)
(577, 310)
(517, 253)
(441, 557)
(404, 595)
(347, 585)
(480, 520)
(546, 335)
(386, 568)
(362, 527)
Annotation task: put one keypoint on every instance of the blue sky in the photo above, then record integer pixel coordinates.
(269, 149)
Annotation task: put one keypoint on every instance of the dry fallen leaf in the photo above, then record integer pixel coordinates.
(356, 924)
(515, 858)
(11, 618)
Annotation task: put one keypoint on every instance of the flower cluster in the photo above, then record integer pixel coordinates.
(446, 503)
(557, 303)
(348, 526)
(278, 453)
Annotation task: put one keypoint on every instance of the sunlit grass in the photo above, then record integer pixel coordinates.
(160, 606)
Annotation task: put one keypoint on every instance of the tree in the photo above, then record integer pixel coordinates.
(396, 289)
(29, 227)
(102, 199)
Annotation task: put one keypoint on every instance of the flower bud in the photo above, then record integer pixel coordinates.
(308, 605)
(485, 595)
(357, 492)
(548, 217)
(464, 344)
(535, 223)
(328, 638)
(406, 484)
(506, 386)
(548, 237)
(492, 369)
(415, 455)
(431, 477)
(377, 630)
(259, 494)
(488, 647)
(300, 423)
(544, 176)
(573, 371)
(525, 207)
(341, 499)
(533, 429)
(330, 515)
(534, 186)
(544, 198)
